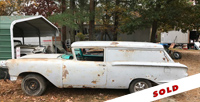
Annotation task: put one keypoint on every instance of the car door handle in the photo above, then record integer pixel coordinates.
(102, 65)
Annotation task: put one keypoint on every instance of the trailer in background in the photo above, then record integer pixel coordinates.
(178, 39)
(174, 37)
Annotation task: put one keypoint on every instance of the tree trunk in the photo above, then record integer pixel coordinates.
(102, 34)
(197, 33)
(72, 5)
(154, 31)
(116, 24)
(81, 28)
(63, 27)
(155, 24)
(106, 22)
(91, 22)
(82, 4)
(106, 34)
(72, 31)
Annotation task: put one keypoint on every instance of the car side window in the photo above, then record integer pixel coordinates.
(89, 54)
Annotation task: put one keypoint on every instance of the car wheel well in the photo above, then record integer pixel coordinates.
(22, 75)
(152, 83)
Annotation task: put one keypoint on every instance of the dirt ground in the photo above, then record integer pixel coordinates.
(11, 91)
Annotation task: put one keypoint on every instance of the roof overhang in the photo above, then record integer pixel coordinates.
(35, 26)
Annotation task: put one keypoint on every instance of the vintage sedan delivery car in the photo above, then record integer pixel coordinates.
(97, 64)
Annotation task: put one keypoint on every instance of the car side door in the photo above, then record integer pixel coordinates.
(86, 71)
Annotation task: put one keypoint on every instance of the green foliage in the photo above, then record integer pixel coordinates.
(133, 15)
(168, 14)
(64, 19)
(106, 12)
(73, 18)
(80, 36)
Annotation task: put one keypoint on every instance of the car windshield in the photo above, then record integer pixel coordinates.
(66, 56)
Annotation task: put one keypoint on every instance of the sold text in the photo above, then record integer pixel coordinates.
(164, 91)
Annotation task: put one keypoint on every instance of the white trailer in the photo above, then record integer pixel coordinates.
(175, 37)
(187, 40)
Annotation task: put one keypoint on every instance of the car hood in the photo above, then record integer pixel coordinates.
(41, 56)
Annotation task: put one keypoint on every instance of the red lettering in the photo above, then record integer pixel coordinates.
(155, 94)
(162, 92)
(175, 87)
(168, 90)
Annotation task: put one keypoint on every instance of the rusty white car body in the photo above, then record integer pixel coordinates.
(119, 65)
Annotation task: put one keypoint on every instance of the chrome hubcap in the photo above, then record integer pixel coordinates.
(140, 86)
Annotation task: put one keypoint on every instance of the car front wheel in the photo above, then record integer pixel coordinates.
(139, 85)
(33, 85)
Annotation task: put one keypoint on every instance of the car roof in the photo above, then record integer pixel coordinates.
(119, 44)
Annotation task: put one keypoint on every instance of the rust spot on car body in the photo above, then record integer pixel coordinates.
(126, 50)
(98, 74)
(94, 82)
(121, 50)
(164, 59)
(65, 72)
(85, 86)
(167, 59)
(114, 43)
(49, 71)
(59, 86)
(70, 86)
(129, 50)
(113, 80)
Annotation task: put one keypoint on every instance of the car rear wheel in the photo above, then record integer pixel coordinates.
(33, 85)
(139, 85)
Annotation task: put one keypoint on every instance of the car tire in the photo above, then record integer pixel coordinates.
(177, 55)
(4, 74)
(33, 85)
(139, 85)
